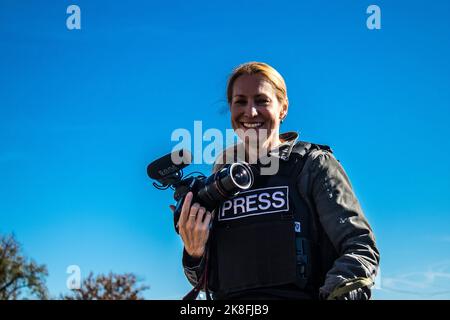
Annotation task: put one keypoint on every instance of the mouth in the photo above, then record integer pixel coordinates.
(252, 125)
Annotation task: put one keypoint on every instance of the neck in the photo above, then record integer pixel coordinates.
(254, 151)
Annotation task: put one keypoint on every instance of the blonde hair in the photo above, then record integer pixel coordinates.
(271, 75)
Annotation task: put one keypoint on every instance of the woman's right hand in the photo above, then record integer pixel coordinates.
(193, 226)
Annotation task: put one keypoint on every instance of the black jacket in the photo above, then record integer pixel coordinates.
(346, 231)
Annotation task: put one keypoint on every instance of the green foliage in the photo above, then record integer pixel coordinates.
(23, 278)
(20, 278)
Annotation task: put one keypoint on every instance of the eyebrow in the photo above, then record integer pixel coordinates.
(243, 96)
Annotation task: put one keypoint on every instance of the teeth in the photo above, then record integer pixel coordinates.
(252, 125)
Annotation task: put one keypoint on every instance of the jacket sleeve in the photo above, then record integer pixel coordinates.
(343, 221)
(193, 267)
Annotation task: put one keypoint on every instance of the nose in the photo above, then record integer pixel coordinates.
(250, 110)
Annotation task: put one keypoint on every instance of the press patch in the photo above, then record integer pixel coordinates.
(255, 202)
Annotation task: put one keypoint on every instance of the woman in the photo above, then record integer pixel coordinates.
(299, 232)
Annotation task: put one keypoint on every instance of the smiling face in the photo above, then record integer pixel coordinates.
(255, 106)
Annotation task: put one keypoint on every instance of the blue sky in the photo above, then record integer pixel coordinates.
(83, 112)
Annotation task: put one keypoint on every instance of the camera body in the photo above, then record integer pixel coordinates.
(210, 192)
(194, 185)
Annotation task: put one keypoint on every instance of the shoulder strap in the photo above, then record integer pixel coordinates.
(303, 147)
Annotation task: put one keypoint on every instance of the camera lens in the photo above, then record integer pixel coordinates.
(234, 178)
(225, 183)
(241, 175)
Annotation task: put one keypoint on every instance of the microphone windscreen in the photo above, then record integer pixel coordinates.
(169, 164)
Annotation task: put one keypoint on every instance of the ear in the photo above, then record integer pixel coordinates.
(284, 111)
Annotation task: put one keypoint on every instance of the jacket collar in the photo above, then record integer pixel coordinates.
(283, 151)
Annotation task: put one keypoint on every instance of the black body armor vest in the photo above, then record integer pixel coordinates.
(267, 236)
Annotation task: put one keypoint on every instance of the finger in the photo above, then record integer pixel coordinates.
(200, 215)
(208, 218)
(192, 215)
(185, 208)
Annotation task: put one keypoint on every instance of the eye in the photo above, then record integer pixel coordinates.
(240, 102)
(263, 101)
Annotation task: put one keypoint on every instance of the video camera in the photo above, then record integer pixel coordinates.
(210, 192)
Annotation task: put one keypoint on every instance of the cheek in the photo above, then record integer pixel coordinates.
(234, 114)
(269, 115)
(233, 117)
(274, 113)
